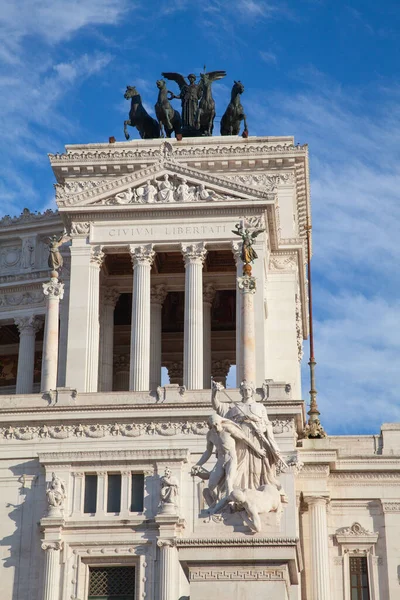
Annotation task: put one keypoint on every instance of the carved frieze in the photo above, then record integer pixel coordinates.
(283, 262)
(253, 573)
(28, 298)
(263, 180)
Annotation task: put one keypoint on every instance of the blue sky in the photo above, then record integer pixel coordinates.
(323, 71)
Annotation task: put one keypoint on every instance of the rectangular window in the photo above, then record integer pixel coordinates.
(137, 492)
(359, 578)
(114, 493)
(111, 583)
(90, 500)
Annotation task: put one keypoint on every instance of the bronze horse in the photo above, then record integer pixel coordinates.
(234, 114)
(147, 127)
(168, 118)
(206, 111)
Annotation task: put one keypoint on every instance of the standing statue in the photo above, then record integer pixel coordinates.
(224, 436)
(169, 119)
(247, 254)
(206, 110)
(234, 114)
(253, 471)
(27, 257)
(147, 127)
(55, 260)
(56, 495)
(169, 492)
(189, 96)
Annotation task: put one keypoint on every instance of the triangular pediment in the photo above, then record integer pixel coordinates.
(162, 182)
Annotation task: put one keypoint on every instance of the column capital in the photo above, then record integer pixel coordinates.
(237, 252)
(247, 284)
(28, 325)
(52, 545)
(209, 293)
(158, 293)
(220, 368)
(194, 253)
(110, 296)
(54, 289)
(142, 255)
(96, 256)
(166, 543)
(317, 499)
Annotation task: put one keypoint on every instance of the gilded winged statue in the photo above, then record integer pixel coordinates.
(248, 254)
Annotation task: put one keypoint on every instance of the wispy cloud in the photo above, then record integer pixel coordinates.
(268, 57)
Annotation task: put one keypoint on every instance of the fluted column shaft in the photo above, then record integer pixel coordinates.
(208, 298)
(236, 249)
(53, 291)
(139, 375)
(194, 256)
(51, 579)
(109, 299)
(320, 583)
(27, 327)
(157, 296)
(168, 575)
(247, 288)
(63, 337)
(92, 350)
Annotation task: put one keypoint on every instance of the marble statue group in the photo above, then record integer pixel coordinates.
(198, 110)
(243, 477)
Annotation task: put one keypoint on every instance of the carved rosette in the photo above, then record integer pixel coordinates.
(28, 325)
(194, 253)
(142, 255)
(158, 293)
(247, 284)
(53, 289)
(208, 293)
(96, 256)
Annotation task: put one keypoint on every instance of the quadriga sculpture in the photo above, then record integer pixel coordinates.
(147, 127)
(167, 116)
(234, 114)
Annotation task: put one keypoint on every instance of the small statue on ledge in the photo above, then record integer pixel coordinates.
(169, 492)
(56, 495)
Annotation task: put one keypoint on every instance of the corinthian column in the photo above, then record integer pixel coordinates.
(208, 298)
(320, 583)
(139, 375)
(109, 300)
(168, 573)
(236, 249)
(194, 256)
(247, 288)
(92, 351)
(53, 291)
(27, 327)
(51, 579)
(157, 296)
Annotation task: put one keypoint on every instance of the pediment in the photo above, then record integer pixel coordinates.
(163, 182)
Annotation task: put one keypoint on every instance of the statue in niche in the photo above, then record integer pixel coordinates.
(55, 260)
(248, 254)
(56, 495)
(27, 258)
(166, 190)
(224, 435)
(169, 493)
(253, 471)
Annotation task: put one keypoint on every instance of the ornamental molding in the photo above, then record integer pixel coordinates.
(27, 217)
(18, 277)
(158, 293)
(226, 542)
(247, 284)
(102, 456)
(366, 478)
(79, 229)
(252, 573)
(268, 182)
(31, 324)
(73, 187)
(355, 530)
(194, 253)
(123, 430)
(155, 153)
(142, 255)
(284, 261)
(96, 256)
(55, 546)
(356, 537)
(53, 289)
(391, 507)
(119, 190)
(21, 297)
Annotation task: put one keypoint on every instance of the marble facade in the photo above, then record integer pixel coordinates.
(151, 285)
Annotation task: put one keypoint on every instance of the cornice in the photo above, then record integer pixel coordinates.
(102, 456)
(237, 541)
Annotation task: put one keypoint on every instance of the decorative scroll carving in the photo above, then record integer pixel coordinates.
(283, 262)
(30, 324)
(54, 546)
(72, 187)
(53, 289)
(142, 255)
(247, 284)
(79, 228)
(96, 256)
(355, 529)
(268, 182)
(21, 299)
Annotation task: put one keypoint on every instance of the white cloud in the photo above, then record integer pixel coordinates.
(268, 57)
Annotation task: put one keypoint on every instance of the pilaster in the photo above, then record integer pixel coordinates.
(139, 376)
(194, 257)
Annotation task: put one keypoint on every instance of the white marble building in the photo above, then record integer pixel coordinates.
(99, 495)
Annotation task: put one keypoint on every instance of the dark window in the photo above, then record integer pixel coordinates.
(111, 583)
(359, 578)
(137, 492)
(90, 494)
(114, 493)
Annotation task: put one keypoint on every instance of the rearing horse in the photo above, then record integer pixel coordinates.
(206, 111)
(234, 114)
(168, 118)
(147, 127)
